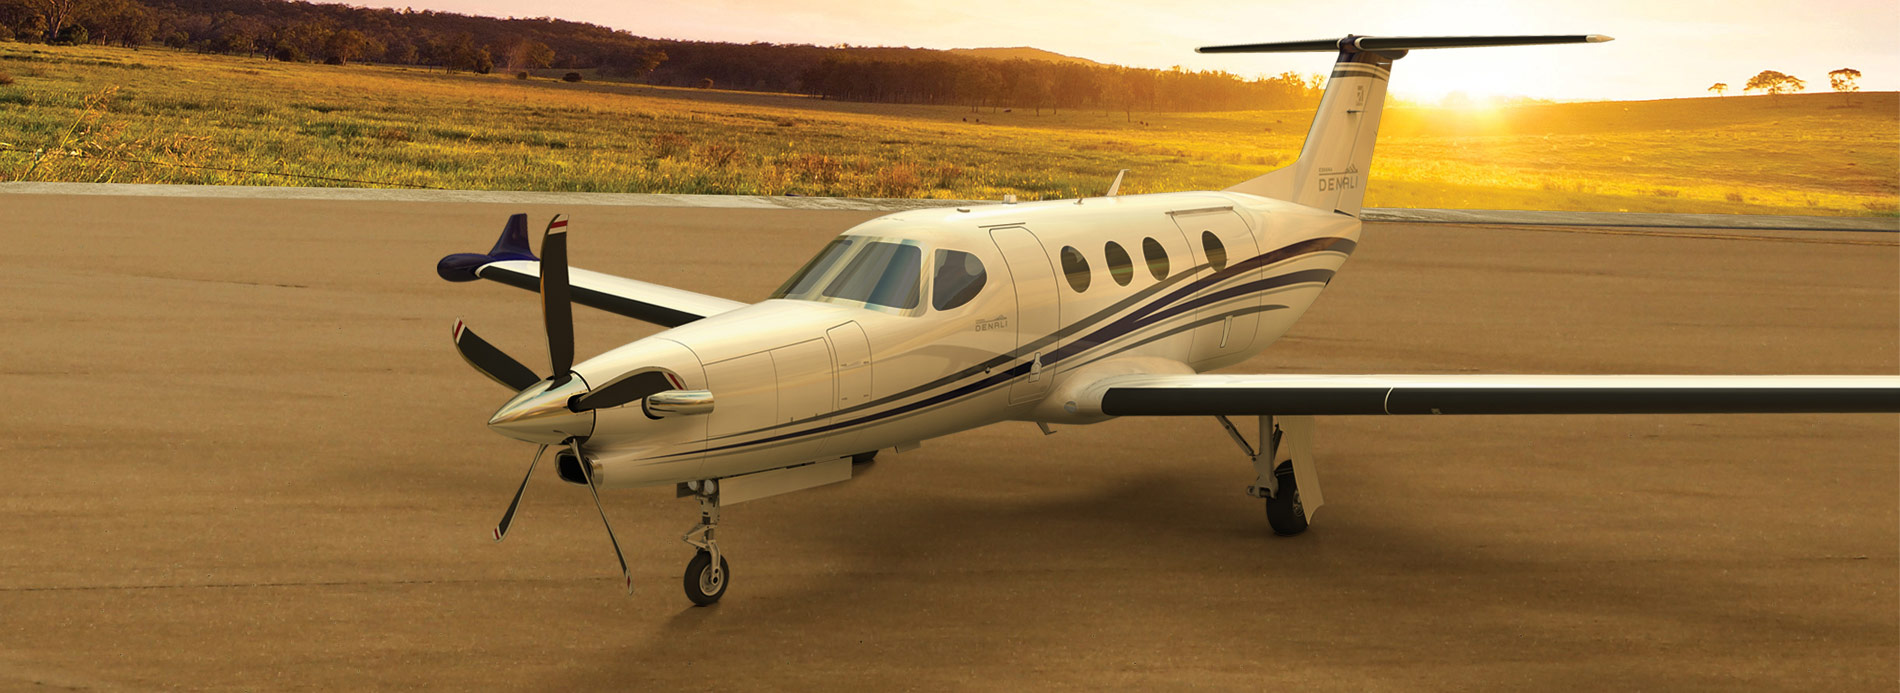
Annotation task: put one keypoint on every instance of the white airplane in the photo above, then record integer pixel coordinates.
(924, 323)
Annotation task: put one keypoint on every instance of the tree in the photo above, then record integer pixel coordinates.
(1719, 88)
(122, 22)
(530, 54)
(1772, 82)
(237, 42)
(72, 35)
(1844, 81)
(463, 55)
(58, 14)
(343, 46)
(400, 52)
(632, 63)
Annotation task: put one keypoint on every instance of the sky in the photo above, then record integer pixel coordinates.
(1663, 48)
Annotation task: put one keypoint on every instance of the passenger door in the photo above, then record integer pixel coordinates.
(1037, 311)
(1226, 334)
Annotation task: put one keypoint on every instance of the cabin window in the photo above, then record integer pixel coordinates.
(880, 274)
(959, 276)
(1216, 253)
(1156, 256)
(1120, 266)
(1076, 268)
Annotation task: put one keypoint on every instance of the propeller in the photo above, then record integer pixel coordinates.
(492, 362)
(595, 490)
(557, 313)
(508, 518)
(556, 310)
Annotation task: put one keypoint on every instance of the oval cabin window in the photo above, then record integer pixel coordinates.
(1076, 268)
(1120, 266)
(1216, 253)
(959, 277)
(1156, 256)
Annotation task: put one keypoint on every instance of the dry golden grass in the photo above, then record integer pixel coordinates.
(161, 116)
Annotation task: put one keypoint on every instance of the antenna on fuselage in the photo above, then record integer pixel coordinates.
(1115, 188)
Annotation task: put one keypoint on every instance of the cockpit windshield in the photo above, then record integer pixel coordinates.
(860, 270)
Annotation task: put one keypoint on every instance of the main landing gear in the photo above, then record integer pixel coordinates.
(1283, 467)
(706, 575)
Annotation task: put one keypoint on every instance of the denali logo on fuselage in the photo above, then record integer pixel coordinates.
(996, 323)
(1340, 182)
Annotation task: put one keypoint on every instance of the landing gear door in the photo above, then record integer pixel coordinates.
(1037, 311)
(1220, 239)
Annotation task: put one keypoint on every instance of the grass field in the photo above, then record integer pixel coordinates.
(131, 113)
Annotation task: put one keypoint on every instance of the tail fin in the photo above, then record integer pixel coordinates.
(1333, 165)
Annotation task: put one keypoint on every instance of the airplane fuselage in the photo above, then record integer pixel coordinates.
(1066, 291)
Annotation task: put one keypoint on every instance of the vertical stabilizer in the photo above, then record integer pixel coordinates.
(1332, 169)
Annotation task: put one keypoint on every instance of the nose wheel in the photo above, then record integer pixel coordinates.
(705, 582)
(707, 574)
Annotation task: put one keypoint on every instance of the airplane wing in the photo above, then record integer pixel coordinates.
(1321, 395)
(511, 262)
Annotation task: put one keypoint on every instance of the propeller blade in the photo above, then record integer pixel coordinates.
(492, 362)
(556, 309)
(508, 518)
(591, 488)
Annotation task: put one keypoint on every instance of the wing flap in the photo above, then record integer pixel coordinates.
(1330, 395)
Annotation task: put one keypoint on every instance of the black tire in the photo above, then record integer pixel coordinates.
(1284, 512)
(864, 457)
(702, 586)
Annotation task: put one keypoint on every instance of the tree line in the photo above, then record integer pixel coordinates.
(340, 34)
(1844, 80)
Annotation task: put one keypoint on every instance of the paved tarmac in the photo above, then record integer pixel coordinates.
(242, 455)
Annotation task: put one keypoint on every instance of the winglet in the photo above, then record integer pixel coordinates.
(513, 245)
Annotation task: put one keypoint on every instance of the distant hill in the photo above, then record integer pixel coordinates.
(1023, 53)
(295, 31)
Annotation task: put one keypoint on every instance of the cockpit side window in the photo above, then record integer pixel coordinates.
(959, 276)
(880, 274)
(806, 279)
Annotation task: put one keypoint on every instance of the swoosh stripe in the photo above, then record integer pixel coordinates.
(1143, 317)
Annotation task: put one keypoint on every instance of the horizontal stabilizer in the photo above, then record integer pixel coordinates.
(1364, 44)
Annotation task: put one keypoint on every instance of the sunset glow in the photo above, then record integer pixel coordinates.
(1663, 50)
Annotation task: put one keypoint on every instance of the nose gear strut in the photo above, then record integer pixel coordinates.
(706, 575)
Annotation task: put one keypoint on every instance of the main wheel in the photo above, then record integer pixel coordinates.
(1284, 512)
(864, 458)
(704, 583)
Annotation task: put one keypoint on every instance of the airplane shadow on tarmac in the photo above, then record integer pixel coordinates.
(934, 586)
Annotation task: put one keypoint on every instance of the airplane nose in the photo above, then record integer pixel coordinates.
(539, 414)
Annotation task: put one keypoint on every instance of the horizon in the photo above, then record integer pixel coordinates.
(1700, 39)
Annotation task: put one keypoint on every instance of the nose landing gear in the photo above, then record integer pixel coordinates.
(706, 575)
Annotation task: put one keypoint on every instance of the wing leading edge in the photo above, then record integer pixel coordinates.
(1328, 395)
(511, 262)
